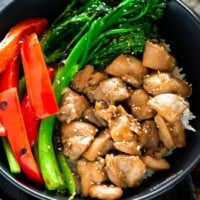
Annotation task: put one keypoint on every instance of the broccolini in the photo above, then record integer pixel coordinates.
(98, 35)
(78, 16)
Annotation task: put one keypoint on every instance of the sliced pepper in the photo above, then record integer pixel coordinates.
(10, 45)
(30, 119)
(12, 120)
(38, 82)
(10, 77)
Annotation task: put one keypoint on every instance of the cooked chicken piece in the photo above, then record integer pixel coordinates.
(79, 82)
(92, 116)
(96, 78)
(92, 84)
(91, 173)
(135, 126)
(111, 90)
(129, 68)
(76, 138)
(120, 129)
(165, 132)
(161, 82)
(106, 112)
(128, 147)
(100, 146)
(138, 104)
(72, 106)
(106, 192)
(151, 138)
(89, 92)
(179, 133)
(170, 106)
(155, 164)
(125, 171)
(157, 57)
(161, 152)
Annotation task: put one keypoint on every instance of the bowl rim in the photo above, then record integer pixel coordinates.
(153, 193)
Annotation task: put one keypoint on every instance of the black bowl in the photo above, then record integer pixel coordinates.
(181, 29)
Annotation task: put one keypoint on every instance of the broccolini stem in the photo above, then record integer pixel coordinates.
(47, 159)
(68, 175)
(12, 162)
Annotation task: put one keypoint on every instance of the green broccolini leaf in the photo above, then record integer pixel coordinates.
(78, 16)
(125, 39)
(67, 29)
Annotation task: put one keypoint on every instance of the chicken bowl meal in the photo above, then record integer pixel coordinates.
(98, 99)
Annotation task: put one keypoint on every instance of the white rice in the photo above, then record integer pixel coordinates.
(177, 72)
(186, 117)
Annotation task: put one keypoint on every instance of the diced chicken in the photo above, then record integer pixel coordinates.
(151, 138)
(128, 147)
(155, 164)
(106, 192)
(123, 129)
(129, 68)
(139, 108)
(135, 126)
(79, 82)
(170, 106)
(92, 84)
(76, 138)
(138, 104)
(159, 83)
(111, 90)
(91, 173)
(120, 129)
(165, 132)
(99, 147)
(125, 171)
(89, 91)
(106, 112)
(161, 152)
(157, 57)
(96, 78)
(179, 133)
(92, 116)
(72, 106)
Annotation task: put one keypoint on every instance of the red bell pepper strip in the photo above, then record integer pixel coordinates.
(10, 77)
(10, 45)
(38, 82)
(30, 119)
(12, 120)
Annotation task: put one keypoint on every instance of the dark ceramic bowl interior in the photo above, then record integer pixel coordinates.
(181, 29)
